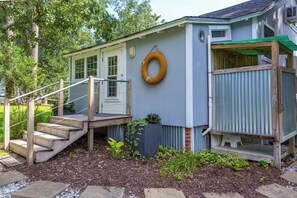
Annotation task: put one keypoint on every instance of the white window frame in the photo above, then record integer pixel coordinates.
(226, 28)
(264, 58)
(85, 56)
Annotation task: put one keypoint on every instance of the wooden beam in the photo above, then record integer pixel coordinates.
(110, 122)
(61, 98)
(6, 124)
(242, 45)
(243, 69)
(30, 132)
(97, 98)
(275, 53)
(91, 112)
(290, 61)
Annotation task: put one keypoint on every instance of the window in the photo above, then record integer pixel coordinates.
(267, 32)
(220, 32)
(85, 67)
(112, 75)
(79, 68)
(92, 66)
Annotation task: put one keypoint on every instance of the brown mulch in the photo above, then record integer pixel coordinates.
(80, 168)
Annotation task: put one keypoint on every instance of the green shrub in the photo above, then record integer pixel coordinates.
(18, 119)
(153, 118)
(183, 164)
(134, 132)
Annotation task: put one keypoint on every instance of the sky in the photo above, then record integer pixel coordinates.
(174, 9)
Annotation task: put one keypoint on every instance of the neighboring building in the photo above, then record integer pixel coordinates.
(181, 98)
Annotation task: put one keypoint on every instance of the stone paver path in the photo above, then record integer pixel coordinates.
(163, 193)
(294, 165)
(11, 177)
(103, 192)
(290, 176)
(226, 195)
(41, 189)
(12, 160)
(276, 191)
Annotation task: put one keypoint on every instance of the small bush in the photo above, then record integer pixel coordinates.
(153, 118)
(183, 164)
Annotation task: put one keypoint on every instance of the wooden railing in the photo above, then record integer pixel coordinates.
(60, 92)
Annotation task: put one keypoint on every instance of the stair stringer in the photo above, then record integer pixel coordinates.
(58, 146)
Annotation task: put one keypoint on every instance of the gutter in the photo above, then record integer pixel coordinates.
(209, 129)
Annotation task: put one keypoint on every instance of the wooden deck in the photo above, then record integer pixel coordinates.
(99, 120)
(254, 152)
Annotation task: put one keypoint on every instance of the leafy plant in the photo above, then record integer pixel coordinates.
(183, 164)
(263, 164)
(134, 132)
(115, 147)
(153, 118)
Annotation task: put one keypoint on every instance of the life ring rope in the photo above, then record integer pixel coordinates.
(162, 72)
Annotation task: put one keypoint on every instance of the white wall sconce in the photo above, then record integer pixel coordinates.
(132, 52)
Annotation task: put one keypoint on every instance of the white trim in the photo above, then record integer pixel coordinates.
(177, 23)
(255, 28)
(226, 28)
(189, 76)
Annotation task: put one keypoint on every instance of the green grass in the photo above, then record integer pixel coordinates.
(3, 154)
(18, 119)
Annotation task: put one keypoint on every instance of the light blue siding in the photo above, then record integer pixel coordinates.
(168, 97)
(173, 136)
(242, 102)
(116, 133)
(289, 103)
(200, 84)
(241, 30)
(199, 140)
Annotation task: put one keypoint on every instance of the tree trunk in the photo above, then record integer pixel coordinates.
(34, 50)
(9, 83)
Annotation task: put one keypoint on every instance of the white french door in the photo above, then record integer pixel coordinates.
(114, 93)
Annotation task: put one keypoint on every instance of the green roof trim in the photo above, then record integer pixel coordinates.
(283, 40)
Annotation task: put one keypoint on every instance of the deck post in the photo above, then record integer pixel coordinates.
(91, 113)
(60, 98)
(6, 124)
(30, 131)
(128, 98)
(97, 97)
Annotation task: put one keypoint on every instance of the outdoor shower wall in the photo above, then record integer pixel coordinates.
(243, 103)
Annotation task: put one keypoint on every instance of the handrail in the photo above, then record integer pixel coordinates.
(60, 90)
(31, 92)
(109, 80)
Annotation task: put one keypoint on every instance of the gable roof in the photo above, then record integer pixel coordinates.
(239, 10)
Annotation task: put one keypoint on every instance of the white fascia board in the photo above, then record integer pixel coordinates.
(176, 23)
(189, 76)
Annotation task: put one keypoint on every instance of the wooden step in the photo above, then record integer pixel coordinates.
(20, 147)
(56, 129)
(67, 121)
(44, 139)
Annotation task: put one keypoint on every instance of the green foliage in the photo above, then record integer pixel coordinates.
(115, 148)
(263, 164)
(183, 164)
(153, 118)
(134, 132)
(18, 119)
(3, 154)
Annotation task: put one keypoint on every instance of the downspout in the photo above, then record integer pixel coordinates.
(209, 88)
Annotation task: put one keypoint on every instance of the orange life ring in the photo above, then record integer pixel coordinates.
(158, 56)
